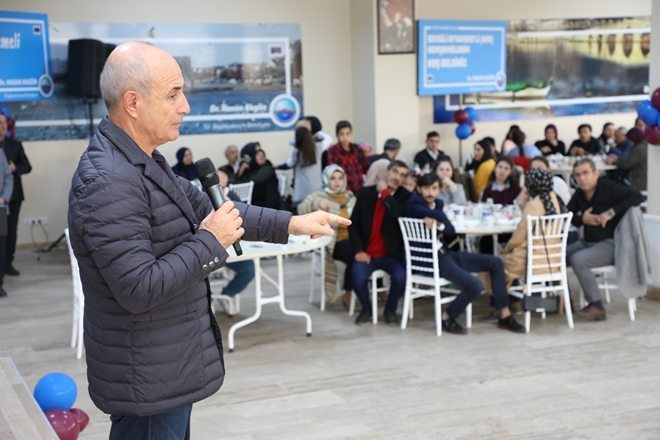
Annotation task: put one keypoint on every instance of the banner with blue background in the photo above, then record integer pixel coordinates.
(461, 57)
(24, 57)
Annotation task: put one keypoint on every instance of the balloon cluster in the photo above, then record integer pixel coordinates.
(649, 112)
(465, 120)
(55, 393)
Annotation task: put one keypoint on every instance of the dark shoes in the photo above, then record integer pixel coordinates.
(363, 317)
(451, 326)
(390, 317)
(3, 292)
(592, 313)
(510, 323)
(11, 270)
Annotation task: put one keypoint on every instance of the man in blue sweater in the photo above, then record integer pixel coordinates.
(457, 267)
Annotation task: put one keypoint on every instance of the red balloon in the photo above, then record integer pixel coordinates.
(461, 116)
(81, 417)
(652, 134)
(473, 127)
(64, 423)
(655, 98)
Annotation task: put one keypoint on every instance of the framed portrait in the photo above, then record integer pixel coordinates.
(396, 26)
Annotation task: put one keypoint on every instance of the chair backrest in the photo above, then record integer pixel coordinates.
(421, 246)
(546, 247)
(243, 191)
(75, 270)
(281, 185)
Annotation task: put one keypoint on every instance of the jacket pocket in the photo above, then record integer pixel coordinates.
(166, 357)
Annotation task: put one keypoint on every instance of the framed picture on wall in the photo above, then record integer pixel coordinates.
(396, 19)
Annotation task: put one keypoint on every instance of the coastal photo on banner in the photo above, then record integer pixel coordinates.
(565, 67)
(238, 77)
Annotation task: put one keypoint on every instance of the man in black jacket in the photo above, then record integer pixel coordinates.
(146, 241)
(18, 165)
(376, 239)
(598, 205)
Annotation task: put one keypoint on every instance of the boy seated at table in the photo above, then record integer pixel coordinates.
(458, 267)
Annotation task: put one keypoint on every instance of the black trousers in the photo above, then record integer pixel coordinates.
(12, 227)
(344, 253)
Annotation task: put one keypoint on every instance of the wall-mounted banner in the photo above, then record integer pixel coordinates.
(460, 56)
(563, 67)
(238, 77)
(24, 57)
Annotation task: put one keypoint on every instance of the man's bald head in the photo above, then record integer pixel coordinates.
(128, 68)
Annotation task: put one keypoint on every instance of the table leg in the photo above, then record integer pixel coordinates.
(496, 245)
(280, 289)
(257, 313)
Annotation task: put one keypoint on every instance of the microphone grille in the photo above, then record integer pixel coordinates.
(206, 172)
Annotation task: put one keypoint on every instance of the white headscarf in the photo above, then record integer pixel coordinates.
(327, 174)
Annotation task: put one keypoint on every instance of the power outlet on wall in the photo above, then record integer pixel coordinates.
(36, 221)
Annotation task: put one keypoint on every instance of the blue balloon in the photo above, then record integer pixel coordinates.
(647, 112)
(472, 113)
(5, 111)
(463, 131)
(55, 391)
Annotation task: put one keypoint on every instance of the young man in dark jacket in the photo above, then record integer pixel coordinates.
(598, 205)
(458, 267)
(376, 239)
(146, 241)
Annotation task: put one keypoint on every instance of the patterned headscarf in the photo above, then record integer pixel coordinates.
(539, 183)
(327, 174)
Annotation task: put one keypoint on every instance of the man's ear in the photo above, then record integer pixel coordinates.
(130, 103)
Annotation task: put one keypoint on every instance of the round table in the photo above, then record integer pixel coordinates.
(476, 227)
(256, 251)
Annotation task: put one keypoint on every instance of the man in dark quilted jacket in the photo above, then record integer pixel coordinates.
(146, 241)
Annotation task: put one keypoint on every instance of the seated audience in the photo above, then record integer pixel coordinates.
(451, 191)
(243, 270)
(184, 164)
(256, 168)
(598, 205)
(457, 267)
(522, 154)
(482, 165)
(508, 144)
(622, 145)
(559, 185)
(606, 139)
(410, 182)
(391, 150)
(585, 144)
(336, 199)
(639, 123)
(503, 185)
(376, 239)
(551, 144)
(634, 166)
(305, 159)
(542, 201)
(431, 152)
(233, 162)
(348, 156)
(377, 172)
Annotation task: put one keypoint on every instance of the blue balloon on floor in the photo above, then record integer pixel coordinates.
(55, 391)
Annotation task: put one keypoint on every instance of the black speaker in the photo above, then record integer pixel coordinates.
(84, 64)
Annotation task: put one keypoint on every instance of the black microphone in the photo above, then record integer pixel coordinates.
(211, 184)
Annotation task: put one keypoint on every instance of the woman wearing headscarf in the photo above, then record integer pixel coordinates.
(634, 165)
(255, 167)
(336, 199)
(542, 201)
(184, 164)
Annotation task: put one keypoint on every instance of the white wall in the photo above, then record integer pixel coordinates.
(326, 43)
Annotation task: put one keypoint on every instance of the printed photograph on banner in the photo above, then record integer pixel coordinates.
(565, 67)
(238, 77)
